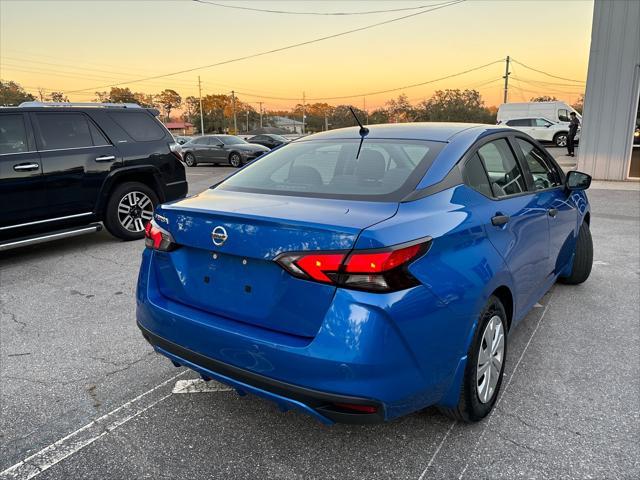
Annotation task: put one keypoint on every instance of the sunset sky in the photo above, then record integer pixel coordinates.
(77, 45)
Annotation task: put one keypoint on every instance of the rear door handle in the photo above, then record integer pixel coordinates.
(499, 220)
(552, 212)
(105, 158)
(26, 167)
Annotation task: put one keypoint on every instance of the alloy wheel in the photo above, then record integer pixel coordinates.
(490, 359)
(189, 160)
(134, 210)
(235, 160)
(561, 141)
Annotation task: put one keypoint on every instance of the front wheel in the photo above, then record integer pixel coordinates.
(485, 365)
(583, 259)
(129, 208)
(560, 139)
(235, 160)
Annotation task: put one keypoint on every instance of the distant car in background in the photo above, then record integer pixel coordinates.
(182, 139)
(220, 149)
(269, 140)
(542, 129)
(556, 111)
(636, 135)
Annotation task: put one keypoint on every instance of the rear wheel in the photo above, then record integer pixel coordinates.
(583, 259)
(129, 208)
(235, 160)
(560, 139)
(485, 365)
(190, 160)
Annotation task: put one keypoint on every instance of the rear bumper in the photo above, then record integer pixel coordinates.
(287, 396)
(397, 351)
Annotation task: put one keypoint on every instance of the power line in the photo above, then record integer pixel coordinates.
(378, 92)
(546, 73)
(280, 49)
(545, 88)
(288, 12)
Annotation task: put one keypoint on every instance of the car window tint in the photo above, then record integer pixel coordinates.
(140, 126)
(504, 173)
(329, 169)
(476, 176)
(544, 174)
(64, 130)
(541, 122)
(563, 115)
(97, 136)
(521, 122)
(13, 135)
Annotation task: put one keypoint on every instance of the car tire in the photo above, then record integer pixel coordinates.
(486, 356)
(235, 160)
(560, 139)
(190, 160)
(129, 208)
(583, 259)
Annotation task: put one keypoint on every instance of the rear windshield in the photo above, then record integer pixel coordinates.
(386, 170)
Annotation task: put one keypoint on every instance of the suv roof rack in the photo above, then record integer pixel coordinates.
(79, 104)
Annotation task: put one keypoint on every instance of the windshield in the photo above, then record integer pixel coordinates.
(387, 170)
(279, 138)
(230, 139)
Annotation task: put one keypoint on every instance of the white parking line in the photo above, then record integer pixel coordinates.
(488, 421)
(513, 374)
(76, 441)
(199, 386)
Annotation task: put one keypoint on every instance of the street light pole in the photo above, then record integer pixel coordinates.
(247, 130)
(260, 103)
(506, 80)
(235, 119)
(201, 117)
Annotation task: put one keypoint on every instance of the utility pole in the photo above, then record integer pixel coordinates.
(364, 107)
(201, 117)
(326, 122)
(506, 80)
(235, 119)
(247, 121)
(303, 111)
(260, 103)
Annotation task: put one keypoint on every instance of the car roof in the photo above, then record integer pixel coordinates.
(434, 131)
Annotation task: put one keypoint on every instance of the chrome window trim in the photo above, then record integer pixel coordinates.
(72, 148)
(18, 153)
(46, 221)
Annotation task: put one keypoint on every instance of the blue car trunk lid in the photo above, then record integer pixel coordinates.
(239, 279)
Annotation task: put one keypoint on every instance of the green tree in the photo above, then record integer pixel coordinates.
(455, 106)
(342, 116)
(399, 110)
(121, 95)
(58, 97)
(379, 115)
(145, 100)
(169, 100)
(543, 98)
(12, 93)
(578, 105)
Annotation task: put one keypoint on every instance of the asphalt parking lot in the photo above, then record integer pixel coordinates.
(84, 396)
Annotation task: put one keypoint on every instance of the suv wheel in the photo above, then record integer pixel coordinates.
(190, 160)
(560, 139)
(129, 208)
(235, 160)
(485, 365)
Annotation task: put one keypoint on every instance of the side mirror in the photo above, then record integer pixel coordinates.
(577, 181)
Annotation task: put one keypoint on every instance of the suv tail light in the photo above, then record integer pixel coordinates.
(157, 238)
(176, 149)
(379, 270)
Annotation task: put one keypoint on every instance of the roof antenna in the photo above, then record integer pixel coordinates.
(364, 131)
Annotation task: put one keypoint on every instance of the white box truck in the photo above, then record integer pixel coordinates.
(557, 112)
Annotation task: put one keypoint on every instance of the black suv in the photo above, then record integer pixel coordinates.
(66, 167)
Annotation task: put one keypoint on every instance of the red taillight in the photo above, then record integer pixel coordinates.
(380, 262)
(158, 238)
(381, 270)
(317, 265)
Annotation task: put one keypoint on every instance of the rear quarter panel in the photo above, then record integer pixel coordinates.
(461, 270)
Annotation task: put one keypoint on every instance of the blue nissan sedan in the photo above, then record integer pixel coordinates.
(362, 274)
